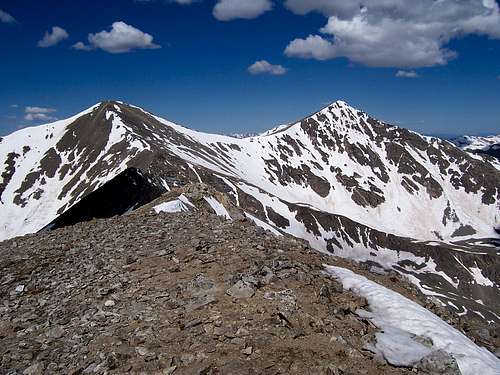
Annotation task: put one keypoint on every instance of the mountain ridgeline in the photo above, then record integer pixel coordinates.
(489, 146)
(345, 182)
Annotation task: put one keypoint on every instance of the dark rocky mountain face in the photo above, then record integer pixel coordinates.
(346, 183)
(127, 191)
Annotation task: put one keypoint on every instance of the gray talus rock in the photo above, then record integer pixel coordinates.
(35, 369)
(241, 289)
(438, 362)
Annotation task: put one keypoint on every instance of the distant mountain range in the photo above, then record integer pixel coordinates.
(479, 145)
(347, 183)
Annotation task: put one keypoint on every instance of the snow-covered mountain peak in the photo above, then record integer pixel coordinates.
(487, 147)
(339, 104)
(468, 142)
(339, 160)
(340, 109)
(340, 179)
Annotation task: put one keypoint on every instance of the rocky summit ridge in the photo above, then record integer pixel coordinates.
(192, 293)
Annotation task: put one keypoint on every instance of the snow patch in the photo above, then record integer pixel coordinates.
(394, 314)
(186, 201)
(171, 207)
(399, 347)
(219, 209)
(480, 278)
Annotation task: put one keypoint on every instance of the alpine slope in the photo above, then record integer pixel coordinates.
(349, 184)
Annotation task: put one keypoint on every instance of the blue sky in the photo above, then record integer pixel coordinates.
(190, 63)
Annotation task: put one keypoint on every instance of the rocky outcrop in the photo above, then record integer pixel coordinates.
(182, 293)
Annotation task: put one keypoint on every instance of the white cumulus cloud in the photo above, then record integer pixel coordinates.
(313, 47)
(39, 114)
(82, 46)
(53, 37)
(393, 33)
(227, 10)
(264, 67)
(122, 38)
(6, 17)
(407, 74)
